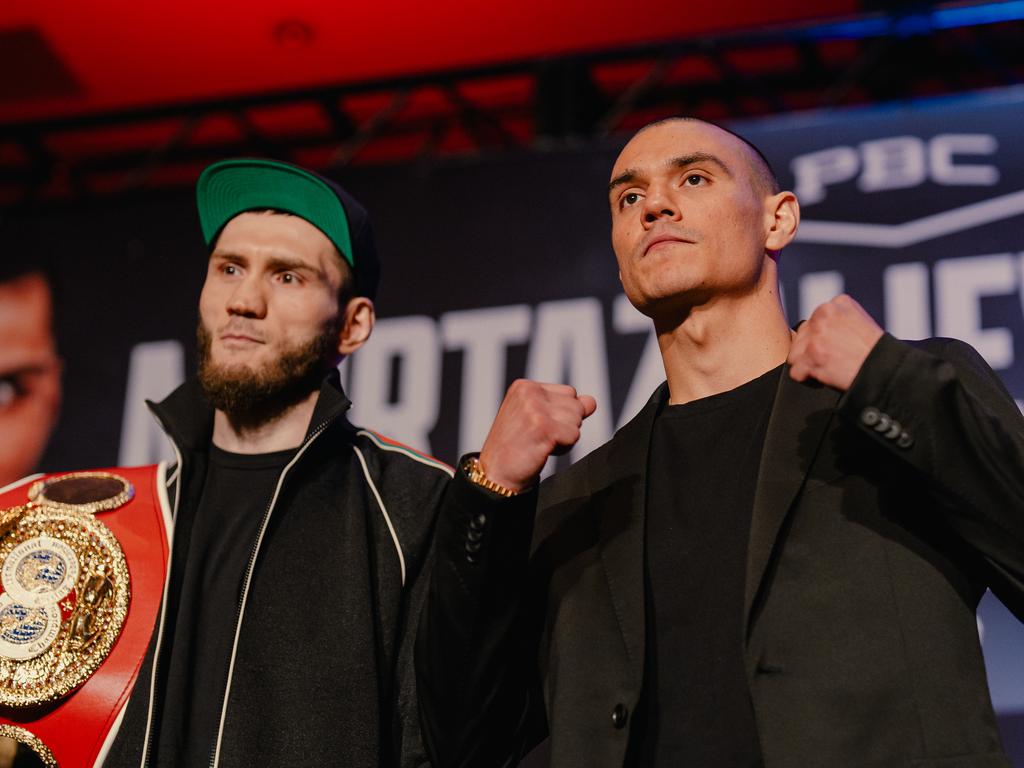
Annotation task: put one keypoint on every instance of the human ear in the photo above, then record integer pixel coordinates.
(359, 319)
(783, 214)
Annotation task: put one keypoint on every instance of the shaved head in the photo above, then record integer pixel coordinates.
(760, 169)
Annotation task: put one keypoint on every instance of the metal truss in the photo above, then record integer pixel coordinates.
(922, 50)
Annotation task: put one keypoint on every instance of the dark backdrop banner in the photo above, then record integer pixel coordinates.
(499, 268)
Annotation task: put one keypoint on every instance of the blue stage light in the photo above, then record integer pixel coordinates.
(916, 23)
(973, 15)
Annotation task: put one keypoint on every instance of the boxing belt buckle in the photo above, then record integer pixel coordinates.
(65, 586)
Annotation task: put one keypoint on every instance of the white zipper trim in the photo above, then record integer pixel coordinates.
(161, 492)
(380, 503)
(23, 481)
(164, 503)
(245, 598)
(111, 735)
(174, 475)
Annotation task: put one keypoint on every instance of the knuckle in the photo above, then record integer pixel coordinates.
(566, 391)
(533, 418)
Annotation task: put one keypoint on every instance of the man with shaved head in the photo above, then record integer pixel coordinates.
(777, 562)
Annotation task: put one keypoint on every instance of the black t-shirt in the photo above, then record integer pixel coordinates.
(705, 455)
(223, 531)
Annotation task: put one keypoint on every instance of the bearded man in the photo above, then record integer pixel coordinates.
(296, 540)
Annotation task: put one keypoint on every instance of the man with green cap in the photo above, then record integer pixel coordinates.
(299, 540)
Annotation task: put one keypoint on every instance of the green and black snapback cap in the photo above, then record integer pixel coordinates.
(230, 187)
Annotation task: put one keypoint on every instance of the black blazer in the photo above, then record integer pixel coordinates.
(880, 518)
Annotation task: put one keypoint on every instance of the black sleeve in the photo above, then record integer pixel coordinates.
(476, 661)
(418, 549)
(940, 408)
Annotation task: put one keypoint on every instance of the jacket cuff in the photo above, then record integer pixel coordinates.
(873, 402)
(481, 528)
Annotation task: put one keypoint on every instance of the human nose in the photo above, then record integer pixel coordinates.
(247, 299)
(659, 205)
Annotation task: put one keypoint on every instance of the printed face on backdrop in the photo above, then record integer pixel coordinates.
(690, 216)
(30, 370)
(270, 320)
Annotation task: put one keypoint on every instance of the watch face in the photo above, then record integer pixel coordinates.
(471, 466)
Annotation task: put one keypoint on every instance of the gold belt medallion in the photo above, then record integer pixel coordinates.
(65, 586)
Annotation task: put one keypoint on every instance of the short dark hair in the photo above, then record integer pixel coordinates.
(21, 254)
(760, 166)
(24, 252)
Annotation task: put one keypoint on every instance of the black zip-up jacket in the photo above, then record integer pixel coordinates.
(321, 670)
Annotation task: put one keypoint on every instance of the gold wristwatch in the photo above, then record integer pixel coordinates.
(475, 472)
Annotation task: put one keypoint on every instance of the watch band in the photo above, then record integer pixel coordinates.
(475, 472)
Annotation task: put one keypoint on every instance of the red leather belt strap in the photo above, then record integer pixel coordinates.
(76, 728)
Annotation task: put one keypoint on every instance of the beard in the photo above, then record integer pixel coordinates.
(251, 397)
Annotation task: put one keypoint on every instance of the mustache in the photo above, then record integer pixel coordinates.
(239, 327)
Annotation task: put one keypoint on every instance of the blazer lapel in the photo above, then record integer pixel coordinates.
(799, 418)
(620, 491)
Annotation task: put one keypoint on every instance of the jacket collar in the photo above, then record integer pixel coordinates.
(187, 417)
(621, 486)
(800, 415)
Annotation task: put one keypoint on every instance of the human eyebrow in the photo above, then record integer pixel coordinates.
(625, 177)
(237, 258)
(24, 371)
(684, 161)
(283, 264)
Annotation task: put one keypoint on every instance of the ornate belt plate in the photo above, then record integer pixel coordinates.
(65, 586)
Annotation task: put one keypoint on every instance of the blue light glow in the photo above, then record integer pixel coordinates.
(917, 23)
(972, 15)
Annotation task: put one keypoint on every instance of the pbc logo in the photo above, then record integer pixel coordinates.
(902, 162)
(897, 162)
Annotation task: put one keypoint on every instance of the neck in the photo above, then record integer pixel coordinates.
(723, 343)
(281, 432)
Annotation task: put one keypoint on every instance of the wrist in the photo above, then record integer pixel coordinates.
(477, 474)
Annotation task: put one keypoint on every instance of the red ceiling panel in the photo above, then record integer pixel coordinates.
(122, 54)
(140, 136)
(291, 120)
(215, 129)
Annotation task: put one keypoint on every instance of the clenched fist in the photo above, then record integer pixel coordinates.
(535, 421)
(833, 344)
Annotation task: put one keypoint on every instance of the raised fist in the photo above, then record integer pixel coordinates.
(535, 421)
(832, 345)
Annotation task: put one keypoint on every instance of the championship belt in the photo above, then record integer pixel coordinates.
(82, 564)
